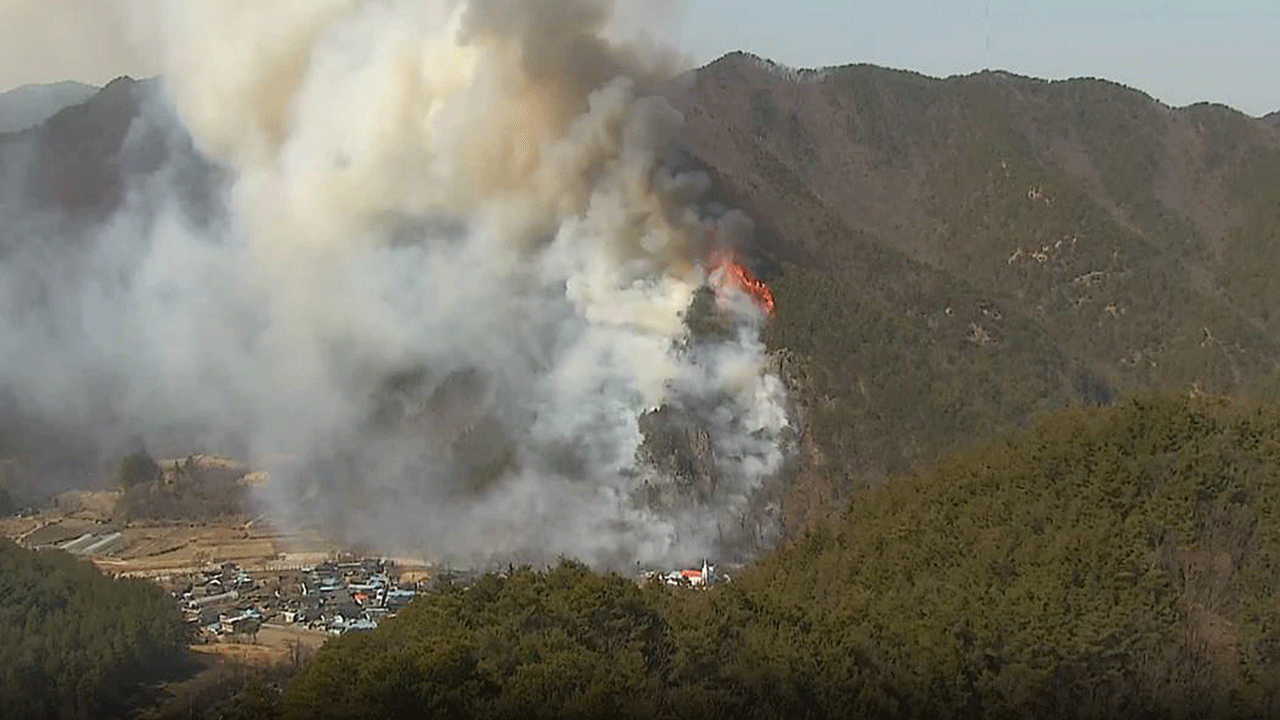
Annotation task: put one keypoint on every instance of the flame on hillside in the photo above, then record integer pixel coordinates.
(728, 276)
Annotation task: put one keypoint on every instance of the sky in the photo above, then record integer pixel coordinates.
(1179, 51)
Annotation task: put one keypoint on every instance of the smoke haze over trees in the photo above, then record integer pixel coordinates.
(486, 199)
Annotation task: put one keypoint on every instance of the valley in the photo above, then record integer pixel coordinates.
(475, 359)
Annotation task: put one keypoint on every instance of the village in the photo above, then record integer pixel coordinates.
(248, 582)
(334, 597)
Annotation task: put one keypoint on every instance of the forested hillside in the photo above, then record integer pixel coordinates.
(75, 644)
(953, 256)
(1116, 562)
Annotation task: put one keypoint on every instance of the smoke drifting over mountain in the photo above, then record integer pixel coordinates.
(56, 40)
(450, 274)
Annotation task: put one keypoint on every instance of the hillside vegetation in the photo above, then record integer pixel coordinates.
(1116, 562)
(952, 257)
(194, 488)
(75, 644)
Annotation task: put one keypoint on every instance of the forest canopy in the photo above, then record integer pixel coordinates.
(75, 644)
(1109, 562)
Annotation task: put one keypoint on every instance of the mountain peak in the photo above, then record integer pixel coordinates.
(82, 156)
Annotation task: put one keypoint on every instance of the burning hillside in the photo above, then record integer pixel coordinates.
(451, 271)
(728, 276)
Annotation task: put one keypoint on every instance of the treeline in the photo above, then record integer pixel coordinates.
(10, 501)
(183, 490)
(75, 644)
(1117, 562)
(8, 505)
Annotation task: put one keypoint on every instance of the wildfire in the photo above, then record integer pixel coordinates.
(728, 275)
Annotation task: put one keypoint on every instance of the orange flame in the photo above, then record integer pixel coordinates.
(728, 274)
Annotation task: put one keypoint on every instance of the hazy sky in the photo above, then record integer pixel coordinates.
(1180, 51)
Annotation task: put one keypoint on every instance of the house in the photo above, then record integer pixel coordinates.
(306, 610)
(240, 625)
(693, 578)
(214, 600)
(341, 626)
(397, 599)
(243, 624)
(208, 617)
(370, 585)
(344, 607)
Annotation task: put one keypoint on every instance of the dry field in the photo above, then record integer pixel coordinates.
(156, 549)
(287, 636)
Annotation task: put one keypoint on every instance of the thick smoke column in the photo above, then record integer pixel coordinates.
(452, 278)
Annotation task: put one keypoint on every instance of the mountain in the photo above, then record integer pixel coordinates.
(952, 257)
(73, 170)
(79, 162)
(1273, 119)
(31, 105)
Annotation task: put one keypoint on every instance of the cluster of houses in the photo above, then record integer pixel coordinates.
(347, 597)
(333, 597)
(221, 601)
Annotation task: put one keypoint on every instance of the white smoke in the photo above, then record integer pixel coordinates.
(481, 199)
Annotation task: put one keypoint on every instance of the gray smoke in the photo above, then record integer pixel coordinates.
(450, 274)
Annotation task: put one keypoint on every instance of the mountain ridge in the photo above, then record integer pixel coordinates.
(1010, 244)
(28, 105)
(818, 71)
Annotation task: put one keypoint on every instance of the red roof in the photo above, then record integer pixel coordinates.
(691, 573)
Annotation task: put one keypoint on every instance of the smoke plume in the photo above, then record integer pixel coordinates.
(450, 273)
